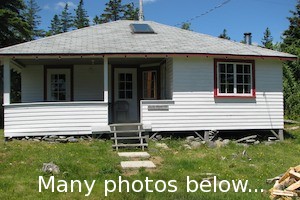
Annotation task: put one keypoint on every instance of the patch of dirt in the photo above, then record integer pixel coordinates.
(130, 172)
(157, 160)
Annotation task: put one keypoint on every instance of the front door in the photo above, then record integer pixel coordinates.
(125, 95)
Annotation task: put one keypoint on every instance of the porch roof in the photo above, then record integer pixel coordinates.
(118, 38)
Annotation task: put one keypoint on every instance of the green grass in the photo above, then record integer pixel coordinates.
(21, 163)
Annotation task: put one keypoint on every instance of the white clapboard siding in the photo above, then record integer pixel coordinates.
(88, 82)
(61, 118)
(195, 108)
(32, 87)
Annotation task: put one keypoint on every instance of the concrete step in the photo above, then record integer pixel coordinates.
(137, 164)
(134, 154)
(130, 145)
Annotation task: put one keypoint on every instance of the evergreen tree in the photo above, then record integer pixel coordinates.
(66, 19)
(81, 19)
(291, 44)
(186, 26)
(96, 20)
(293, 32)
(267, 40)
(55, 26)
(224, 35)
(115, 10)
(131, 12)
(33, 19)
(13, 27)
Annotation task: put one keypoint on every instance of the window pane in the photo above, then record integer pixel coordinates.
(239, 79)
(239, 68)
(240, 89)
(230, 78)
(121, 86)
(129, 86)
(129, 77)
(247, 89)
(122, 77)
(230, 88)
(222, 68)
(223, 78)
(223, 88)
(247, 69)
(247, 79)
(229, 68)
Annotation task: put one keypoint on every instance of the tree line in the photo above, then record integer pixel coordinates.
(20, 22)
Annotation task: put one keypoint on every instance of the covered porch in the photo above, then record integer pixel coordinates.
(77, 95)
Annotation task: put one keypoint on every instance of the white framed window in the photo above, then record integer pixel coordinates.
(234, 78)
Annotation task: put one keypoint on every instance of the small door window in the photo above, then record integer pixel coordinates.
(125, 86)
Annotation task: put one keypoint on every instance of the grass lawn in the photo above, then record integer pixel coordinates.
(21, 163)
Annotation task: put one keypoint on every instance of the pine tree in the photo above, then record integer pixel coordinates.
(186, 26)
(224, 35)
(33, 19)
(131, 12)
(66, 19)
(291, 44)
(55, 26)
(96, 20)
(267, 40)
(115, 10)
(81, 19)
(13, 27)
(293, 32)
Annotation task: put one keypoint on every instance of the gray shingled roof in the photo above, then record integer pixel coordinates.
(117, 37)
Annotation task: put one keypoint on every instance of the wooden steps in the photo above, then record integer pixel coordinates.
(128, 135)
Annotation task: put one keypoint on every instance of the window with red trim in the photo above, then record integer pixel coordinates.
(234, 78)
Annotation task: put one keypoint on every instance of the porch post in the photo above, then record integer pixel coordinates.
(6, 82)
(105, 79)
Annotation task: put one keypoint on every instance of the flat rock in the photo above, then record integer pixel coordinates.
(134, 154)
(162, 145)
(190, 138)
(72, 140)
(195, 144)
(137, 164)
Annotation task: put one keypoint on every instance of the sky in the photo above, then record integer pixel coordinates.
(206, 16)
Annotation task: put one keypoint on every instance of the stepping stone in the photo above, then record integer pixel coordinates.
(134, 154)
(137, 164)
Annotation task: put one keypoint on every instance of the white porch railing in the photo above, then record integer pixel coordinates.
(54, 118)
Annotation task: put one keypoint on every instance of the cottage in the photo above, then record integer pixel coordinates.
(165, 78)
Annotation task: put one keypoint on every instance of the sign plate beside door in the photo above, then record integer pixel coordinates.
(158, 108)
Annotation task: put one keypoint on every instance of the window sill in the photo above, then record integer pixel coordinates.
(235, 96)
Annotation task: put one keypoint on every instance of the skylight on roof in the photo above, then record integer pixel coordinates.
(141, 28)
